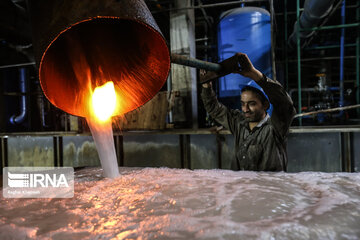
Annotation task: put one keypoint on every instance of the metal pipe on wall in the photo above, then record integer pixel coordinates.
(17, 119)
(342, 43)
(297, 34)
(357, 61)
(314, 12)
(335, 7)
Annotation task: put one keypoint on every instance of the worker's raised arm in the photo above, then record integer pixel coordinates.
(283, 108)
(217, 110)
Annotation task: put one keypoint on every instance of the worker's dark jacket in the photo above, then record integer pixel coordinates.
(263, 148)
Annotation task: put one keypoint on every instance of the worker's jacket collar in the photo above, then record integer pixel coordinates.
(259, 125)
(263, 120)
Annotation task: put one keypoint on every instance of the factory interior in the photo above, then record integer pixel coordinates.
(324, 64)
(53, 53)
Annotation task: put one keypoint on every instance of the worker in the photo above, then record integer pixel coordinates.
(260, 140)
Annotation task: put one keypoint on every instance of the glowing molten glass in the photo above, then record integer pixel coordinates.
(104, 101)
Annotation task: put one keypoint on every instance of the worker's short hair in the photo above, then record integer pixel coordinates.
(259, 94)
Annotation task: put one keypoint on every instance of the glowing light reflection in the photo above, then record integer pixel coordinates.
(104, 101)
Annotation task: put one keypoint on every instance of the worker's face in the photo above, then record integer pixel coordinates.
(252, 107)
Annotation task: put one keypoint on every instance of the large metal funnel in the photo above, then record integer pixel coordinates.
(80, 45)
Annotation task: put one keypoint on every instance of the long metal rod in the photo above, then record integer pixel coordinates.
(17, 65)
(196, 63)
(358, 58)
(273, 62)
(342, 49)
(330, 46)
(321, 58)
(291, 12)
(327, 110)
(210, 5)
(298, 56)
(286, 47)
(331, 27)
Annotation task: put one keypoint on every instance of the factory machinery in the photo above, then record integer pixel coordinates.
(54, 53)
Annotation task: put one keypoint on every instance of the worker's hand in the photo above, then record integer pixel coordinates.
(247, 68)
(208, 84)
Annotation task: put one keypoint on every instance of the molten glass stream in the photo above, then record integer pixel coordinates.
(103, 137)
(103, 105)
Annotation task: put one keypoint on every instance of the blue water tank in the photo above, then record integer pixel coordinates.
(246, 30)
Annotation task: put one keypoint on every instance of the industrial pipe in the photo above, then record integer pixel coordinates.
(215, 70)
(17, 119)
(327, 110)
(80, 45)
(342, 50)
(196, 63)
(314, 12)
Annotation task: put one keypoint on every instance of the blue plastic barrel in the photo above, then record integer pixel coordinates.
(246, 30)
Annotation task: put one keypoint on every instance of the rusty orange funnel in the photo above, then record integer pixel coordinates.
(80, 45)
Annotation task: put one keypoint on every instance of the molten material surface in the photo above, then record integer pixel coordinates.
(155, 203)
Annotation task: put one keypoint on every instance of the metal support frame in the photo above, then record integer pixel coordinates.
(56, 154)
(1, 155)
(358, 57)
(330, 46)
(347, 161)
(342, 52)
(4, 152)
(345, 136)
(331, 27)
(61, 151)
(185, 157)
(298, 56)
(58, 151)
(219, 140)
(272, 37)
(119, 148)
(286, 47)
(298, 29)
